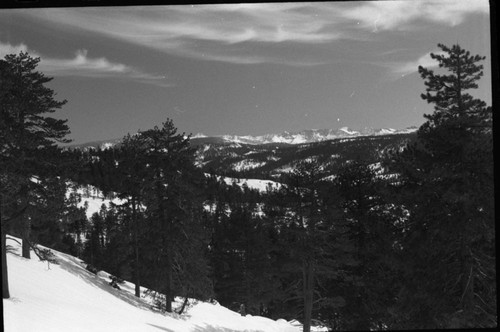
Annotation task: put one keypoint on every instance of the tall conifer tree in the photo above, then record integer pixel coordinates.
(27, 139)
(305, 217)
(169, 194)
(447, 182)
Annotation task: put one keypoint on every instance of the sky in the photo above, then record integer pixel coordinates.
(244, 69)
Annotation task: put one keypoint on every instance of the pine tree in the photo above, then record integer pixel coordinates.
(446, 178)
(305, 218)
(76, 220)
(169, 193)
(27, 137)
(46, 210)
(94, 246)
(240, 249)
(131, 174)
(366, 244)
(191, 266)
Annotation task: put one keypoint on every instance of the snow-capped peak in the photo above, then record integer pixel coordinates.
(348, 131)
(304, 136)
(312, 135)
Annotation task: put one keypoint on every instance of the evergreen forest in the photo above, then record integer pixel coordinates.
(369, 233)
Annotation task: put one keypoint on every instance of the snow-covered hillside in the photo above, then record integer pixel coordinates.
(260, 185)
(66, 297)
(92, 198)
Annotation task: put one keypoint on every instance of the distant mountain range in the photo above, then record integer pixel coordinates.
(265, 157)
(301, 137)
(308, 136)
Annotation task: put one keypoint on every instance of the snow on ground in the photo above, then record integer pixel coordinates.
(377, 168)
(94, 199)
(245, 165)
(66, 297)
(257, 184)
(285, 169)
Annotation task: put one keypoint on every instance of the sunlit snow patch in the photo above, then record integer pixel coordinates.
(67, 297)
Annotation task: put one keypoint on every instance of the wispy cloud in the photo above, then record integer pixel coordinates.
(405, 68)
(84, 66)
(229, 33)
(389, 15)
(256, 32)
(268, 23)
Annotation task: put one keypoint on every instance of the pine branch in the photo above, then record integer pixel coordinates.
(15, 240)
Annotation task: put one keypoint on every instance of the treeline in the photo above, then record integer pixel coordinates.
(409, 245)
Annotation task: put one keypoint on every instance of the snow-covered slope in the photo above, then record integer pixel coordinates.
(93, 198)
(66, 297)
(256, 184)
(260, 185)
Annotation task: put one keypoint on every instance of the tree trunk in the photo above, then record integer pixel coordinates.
(26, 235)
(78, 245)
(167, 244)
(169, 267)
(136, 249)
(26, 226)
(5, 275)
(92, 249)
(308, 285)
(183, 305)
(3, 234)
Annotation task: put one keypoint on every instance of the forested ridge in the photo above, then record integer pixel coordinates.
(385, 232)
